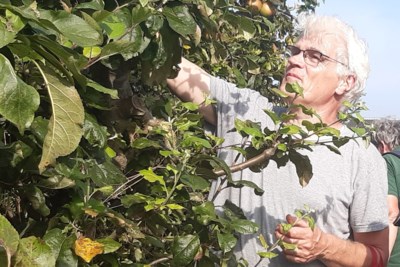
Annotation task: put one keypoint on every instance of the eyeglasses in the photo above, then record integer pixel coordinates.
(311, 57)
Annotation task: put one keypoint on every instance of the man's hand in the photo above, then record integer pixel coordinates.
(305, 239)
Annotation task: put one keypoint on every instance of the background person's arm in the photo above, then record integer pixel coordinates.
(393, 205)
(193, 85)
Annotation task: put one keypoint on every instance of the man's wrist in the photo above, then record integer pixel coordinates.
(322, 244)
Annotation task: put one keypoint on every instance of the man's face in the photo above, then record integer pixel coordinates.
(320, 83)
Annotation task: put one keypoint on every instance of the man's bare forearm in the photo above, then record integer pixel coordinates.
(343, 253)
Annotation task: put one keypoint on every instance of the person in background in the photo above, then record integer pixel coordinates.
(347, 191)
(387, 139)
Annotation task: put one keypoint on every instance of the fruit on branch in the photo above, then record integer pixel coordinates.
(267, 9)
(256, 7)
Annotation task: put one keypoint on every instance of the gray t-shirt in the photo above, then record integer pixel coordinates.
(347, 191)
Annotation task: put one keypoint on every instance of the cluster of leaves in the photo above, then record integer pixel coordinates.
(99, 165)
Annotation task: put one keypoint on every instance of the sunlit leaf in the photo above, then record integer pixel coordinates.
(87, 248)
(184, 249)
(91, 51)
(9, 237)
(33, 252)
(18, 100)
(267, 254)
(244, 226)
(294, 88)
(205, 212)
(55, 238)
(150, 176)
(180, 19)
(73, 27)
(65, 126)
(110, 245)
(226, 241)
(195, 182)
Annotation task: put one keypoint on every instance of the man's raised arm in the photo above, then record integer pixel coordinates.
(193, 85)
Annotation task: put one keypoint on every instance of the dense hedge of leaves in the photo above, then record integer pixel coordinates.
(99, 164)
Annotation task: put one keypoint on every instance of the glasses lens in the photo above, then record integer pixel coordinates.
(312, 57)
(292, 50)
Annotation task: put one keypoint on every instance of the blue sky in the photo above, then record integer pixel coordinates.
(378, 23)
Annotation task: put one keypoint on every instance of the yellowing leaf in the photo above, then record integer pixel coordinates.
(91, 213)
(65, 127)
(87, 248)
(91, 51)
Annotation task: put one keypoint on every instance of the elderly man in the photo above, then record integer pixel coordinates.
(347, 191)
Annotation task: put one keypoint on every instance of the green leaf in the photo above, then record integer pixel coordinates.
(91, 51)
(14, 22)
(6, 35)
(175, 206)
(267, 254)
(309, 125)
(294, 88)
(359, 130)
(110, 245)
(73, 27)
(4, 259)
(142, 143)
(113, 93)
(140, 14)
(232, 211)
(205, 212)
(195, 182)
(105, 173)
(37, 199)
(67, 257)
(9, 238)
(226, 241)
(248, 128)
(288, 245)
(56, 182)
(93, 132)
(18, 100)
(129, 200)
(244, 226)
(65, 126)
(303, 167)
(116, 24)
(196, 142)
(190, 106)
(247, 27)
(279, 93)
(94, 4)
(72, 60)
(333, 149)
(150, 176)
(13, 154)
(257, 190)
(180, 19)
(290, 129)
(33, 252)
(184, 249)
(55, 238)
(275, 117)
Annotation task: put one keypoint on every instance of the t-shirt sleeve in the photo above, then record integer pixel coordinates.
(234, 102)
(369, 210)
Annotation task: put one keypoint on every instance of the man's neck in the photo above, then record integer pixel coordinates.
(325, 116)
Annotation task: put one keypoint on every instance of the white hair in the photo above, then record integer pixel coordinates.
(353, 54)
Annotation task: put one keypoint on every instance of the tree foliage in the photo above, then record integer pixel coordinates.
(99, 164)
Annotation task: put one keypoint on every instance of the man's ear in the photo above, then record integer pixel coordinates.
(346, 84)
